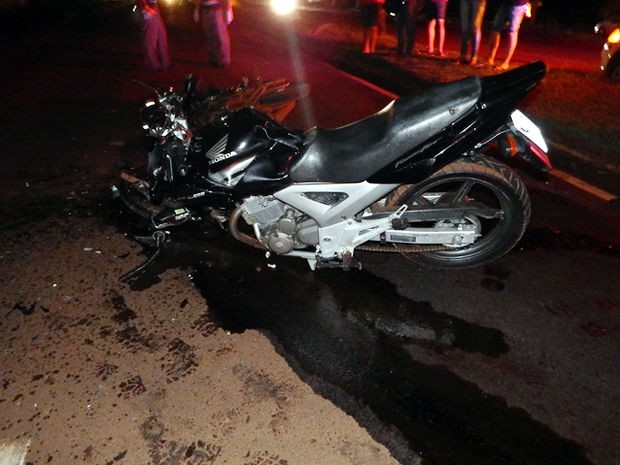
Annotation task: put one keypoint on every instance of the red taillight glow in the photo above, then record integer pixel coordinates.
(542, 156)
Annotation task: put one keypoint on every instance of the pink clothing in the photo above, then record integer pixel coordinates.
(155, 39)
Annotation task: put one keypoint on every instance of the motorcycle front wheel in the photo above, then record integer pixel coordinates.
(484, 181)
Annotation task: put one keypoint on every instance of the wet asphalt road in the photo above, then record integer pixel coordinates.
(391, 338)
(513, 363)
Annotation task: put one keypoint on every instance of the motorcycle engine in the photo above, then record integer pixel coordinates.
(281, 227)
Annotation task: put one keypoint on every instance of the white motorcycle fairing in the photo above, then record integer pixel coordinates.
(334, 219)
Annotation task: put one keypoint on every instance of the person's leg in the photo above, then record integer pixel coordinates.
(517, 15)
(366, 23)
(442, 36)
(223, 39)
(412, 27)
(440, 10)
(466, 31)
(400, 25)
(209, 26)
(366, 41)
(162, 45)
(149, 40)
(513, 37)
(494, 45)
(501, 18)
(431, 35)
(478, 14)
(372, 38)
(475, 46)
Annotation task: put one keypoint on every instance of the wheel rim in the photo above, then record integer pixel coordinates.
(464, 189)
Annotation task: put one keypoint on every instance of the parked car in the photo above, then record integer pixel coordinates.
(609, 29)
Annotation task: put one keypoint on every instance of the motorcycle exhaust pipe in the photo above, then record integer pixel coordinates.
(233, 222)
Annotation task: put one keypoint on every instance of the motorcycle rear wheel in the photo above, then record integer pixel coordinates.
(482, 180)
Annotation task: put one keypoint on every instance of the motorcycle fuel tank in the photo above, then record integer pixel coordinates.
(254, 155)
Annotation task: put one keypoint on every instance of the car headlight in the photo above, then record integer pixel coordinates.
(614, 37)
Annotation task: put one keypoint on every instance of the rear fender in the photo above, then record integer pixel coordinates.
(514, 147)
(521, 141)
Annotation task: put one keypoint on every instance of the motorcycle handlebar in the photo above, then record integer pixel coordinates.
(148, 86)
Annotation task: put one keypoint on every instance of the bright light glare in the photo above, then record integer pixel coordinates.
(614, 37)
(283, 7)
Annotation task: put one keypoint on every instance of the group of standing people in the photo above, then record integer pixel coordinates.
(406, 13)
(214, 17)
(508, 17)
(406, 21)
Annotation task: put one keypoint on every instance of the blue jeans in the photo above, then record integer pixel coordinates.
(472, 13)
(406, 23)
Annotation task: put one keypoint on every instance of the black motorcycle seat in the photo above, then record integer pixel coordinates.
(355, 152)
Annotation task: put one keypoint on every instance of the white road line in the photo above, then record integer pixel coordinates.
(584, 186)
(574, 181)
(579, 155)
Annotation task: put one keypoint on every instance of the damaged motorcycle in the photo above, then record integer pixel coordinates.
(428, 175)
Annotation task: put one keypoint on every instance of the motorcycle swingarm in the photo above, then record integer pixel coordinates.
(340, 240)
(459, 236)
(419, 214)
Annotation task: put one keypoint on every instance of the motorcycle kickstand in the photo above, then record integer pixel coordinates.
(158, 239)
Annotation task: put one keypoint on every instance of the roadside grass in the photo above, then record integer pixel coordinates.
(578, 110)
